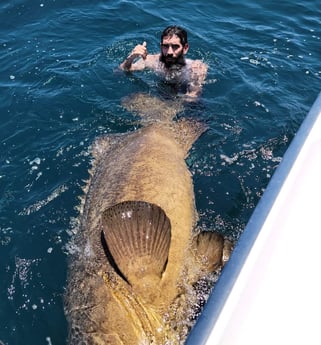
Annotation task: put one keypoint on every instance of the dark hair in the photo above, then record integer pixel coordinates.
(175, 30)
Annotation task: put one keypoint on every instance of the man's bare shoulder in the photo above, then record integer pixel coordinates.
(198, 66)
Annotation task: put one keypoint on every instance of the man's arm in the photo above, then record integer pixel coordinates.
(197, 79)
(140, 51)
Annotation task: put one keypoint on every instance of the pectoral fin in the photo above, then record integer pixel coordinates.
(138, 236)
(207, 248)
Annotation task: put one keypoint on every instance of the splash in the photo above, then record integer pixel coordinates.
(22, 275)
(38, 205)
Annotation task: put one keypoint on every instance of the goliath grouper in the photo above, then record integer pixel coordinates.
(138, 254)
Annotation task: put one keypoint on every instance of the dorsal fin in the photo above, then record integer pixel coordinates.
(150, 108)
(138, 236)
(187, 131)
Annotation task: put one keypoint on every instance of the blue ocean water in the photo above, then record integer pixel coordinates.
(60, 89)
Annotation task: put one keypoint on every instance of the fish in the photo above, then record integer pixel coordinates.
(137, 253)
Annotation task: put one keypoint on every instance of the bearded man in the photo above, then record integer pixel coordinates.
(170, 63)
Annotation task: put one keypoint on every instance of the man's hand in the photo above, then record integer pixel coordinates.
(139, 51)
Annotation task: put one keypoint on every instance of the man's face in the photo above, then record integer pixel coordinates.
(172, 50)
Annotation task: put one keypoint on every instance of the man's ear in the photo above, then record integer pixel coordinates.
(185, 49)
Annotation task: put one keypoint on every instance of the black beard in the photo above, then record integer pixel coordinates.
(179, 61)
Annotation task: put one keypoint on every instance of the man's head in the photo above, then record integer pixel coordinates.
(174, 46)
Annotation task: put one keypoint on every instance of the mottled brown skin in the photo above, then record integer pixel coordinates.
(147, 165)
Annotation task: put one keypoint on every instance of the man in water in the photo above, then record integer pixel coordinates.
(170, 63)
